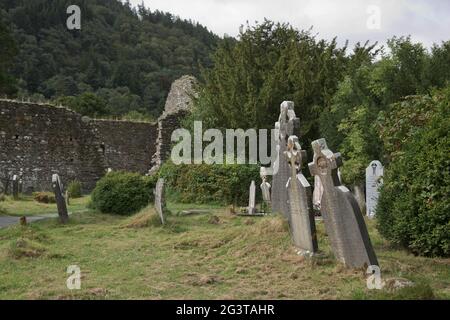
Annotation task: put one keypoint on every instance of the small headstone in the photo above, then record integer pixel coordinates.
(15, 182)
(67, 198)
(160, 201)
(302, 223)
(265, 186)
(374, 180)
(251, 198)
(287, 124)
(60, 200)
(343, 220)
(317, 193)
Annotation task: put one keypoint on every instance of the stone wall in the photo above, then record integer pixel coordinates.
(37, 140)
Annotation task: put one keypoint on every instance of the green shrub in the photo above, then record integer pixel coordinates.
(121, 193)
(74, 189)
(203, 183)
(414, 207)
(2, 197)
(44, 197)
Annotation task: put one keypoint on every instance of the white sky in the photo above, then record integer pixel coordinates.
(426, 21)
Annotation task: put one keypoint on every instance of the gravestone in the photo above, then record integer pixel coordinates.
(317, 193)
(15, 185)
(374, 180)
(160, 201)
(302, 224)
(343, 220)
(67, 198)
(265, 190)
(251, 198)
(287, 125)
(60, 200)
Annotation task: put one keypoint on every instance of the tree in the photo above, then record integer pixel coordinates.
(8, 50)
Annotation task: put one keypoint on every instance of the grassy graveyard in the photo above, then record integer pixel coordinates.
(212, 255)
(27, 206)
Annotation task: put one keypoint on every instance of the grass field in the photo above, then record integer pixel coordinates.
(27, 206)
(205, 256)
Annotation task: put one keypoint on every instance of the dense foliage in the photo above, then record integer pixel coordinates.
(127, 57)
(122, 193)
(8, 50)
(75, 189)
(222, 184)
(356, 116)
(268, 64)
(414, 207)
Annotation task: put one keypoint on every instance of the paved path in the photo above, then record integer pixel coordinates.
(6, 221)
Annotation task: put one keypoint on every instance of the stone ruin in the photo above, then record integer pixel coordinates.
(38, 140)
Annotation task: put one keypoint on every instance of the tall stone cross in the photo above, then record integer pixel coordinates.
(160, 201)
(343, 219)
(287, 125)
(374, 180)
(302, 224)
(60, 200)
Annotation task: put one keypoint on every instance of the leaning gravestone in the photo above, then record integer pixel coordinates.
(288, 124)
(15, 182)
(60, 200)
(160, 201)
(303, 227)
(343, 220)
(374, 180)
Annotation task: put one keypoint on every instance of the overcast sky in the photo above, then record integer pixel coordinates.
(355, 20)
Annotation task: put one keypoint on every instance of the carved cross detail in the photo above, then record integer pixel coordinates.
(295, 155)
(325, 162)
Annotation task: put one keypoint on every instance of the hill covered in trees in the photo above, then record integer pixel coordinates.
(122, 60)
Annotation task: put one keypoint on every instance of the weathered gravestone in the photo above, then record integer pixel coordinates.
(60, 200)
(251, 199)
(343, 220)
(287, 125)
(160, 201)
(374, 180)
(15, 184)
(265, 189)
(318, 192)
(302, 224)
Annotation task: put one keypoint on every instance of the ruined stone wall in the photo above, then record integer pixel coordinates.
(38, 140)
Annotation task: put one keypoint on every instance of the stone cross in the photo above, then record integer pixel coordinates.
(15, 186)
(265, 186)
(374, 180)
(302, 224)
(343, 219)
(160, 201)
(251, 198)
(287, 125)
(60, 200)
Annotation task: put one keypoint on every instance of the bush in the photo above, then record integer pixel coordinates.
(2, 197)
(44, 197)
(74, 189)
(203, 183)
(121, 193)
(414, 207)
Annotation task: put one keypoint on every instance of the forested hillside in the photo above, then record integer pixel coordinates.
(123, 59)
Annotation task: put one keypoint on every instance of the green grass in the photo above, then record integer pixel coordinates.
(27, 206)
(192, 258)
